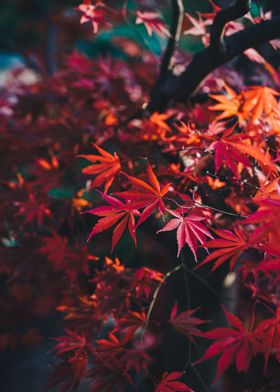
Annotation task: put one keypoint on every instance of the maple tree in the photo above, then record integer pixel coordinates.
(110, 164)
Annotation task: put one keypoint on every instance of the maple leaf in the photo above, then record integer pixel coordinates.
(144, 281)
(263, 159)
(106, 165)
(227, 149)
(47, 173)
(56, 249)
(235, 344)
(149, 196)
(229, 104)
(33, 210)
(110, 375)
(153, 23)
(159, 119)
(185, 323)
(269, 265)
(111, 347)
(136, 360)
(92, 13)
(230, 246)
(71, 342)
(122, 214)
(169, 383)
(267, 215)
(68, 374)
(198, 26)
(259, 101)
(189, 228)
(132, 320)
(251, 105)
(268, 332)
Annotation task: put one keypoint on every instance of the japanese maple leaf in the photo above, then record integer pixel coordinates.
(68, 375)
(268, 332)
(228, 104)
(110, 375)
(149, 195)
(136, 360)
(189, 228)
(132, 320)
(264, 159)
(56, 248)
(259, 101)
(92, 13)
(229, 246)
(111, 347)
(105, 165)
(226, 149)
(185, 323)
(117, 212)
(235, 344)
(47, 174)
(153, 23)
(269, 265)
(159, 119)
(267, 215)
(145, 279)
(71, 342)
(33, 210)
(170, 383)
(198, 25)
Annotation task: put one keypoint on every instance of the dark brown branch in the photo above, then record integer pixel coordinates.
(175, 33)
(236, 11)
(181, 88)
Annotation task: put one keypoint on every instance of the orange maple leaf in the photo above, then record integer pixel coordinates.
(105, 165)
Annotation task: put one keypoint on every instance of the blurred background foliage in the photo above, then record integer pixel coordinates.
(39, 34)
(36, 31)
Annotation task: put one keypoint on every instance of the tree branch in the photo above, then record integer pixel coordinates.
(175, 33)
(236, 11)
(181, 88)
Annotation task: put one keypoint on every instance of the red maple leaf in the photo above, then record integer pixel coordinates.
(56, 249)
(110, 375)
(113, 346)
(268, 332)
(170, 383)
(122, 214)
(47, 174)
(226, 149)
(189, 228)
(145, 279)
(68, 375)
(33, 210)
(92, 13)
(105, 165)
(148, 195)
(71, 342)
(153, 23)
(185, 323)
(235, 344)
(230, 246)
(267, 215)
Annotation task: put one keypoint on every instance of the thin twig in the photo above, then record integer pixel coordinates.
(175, 33)
(156, 293)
